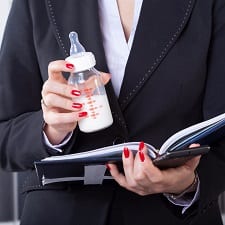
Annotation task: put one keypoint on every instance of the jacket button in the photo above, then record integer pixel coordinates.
(210, 204)
(204, 210)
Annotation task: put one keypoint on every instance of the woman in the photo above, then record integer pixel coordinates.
(167, 72)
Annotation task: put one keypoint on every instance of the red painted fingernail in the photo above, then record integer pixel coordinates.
(82, 114)
(142, 156)
(77, 105)
(69, 66)
(75, 92)
(141, 146)
(107, 166)
(126, 152)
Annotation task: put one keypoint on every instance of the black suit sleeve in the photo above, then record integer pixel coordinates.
(20, 87)
(21, 120)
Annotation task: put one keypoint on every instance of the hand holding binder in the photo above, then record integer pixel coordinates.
(174, 152)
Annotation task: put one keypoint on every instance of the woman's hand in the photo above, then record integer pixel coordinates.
(143, 178)
(60, 112)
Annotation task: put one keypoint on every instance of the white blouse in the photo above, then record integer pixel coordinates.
(117, 49)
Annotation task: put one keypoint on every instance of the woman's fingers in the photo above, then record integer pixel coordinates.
(193, 163)
(54, 118)
(53, 100)
(128, 166)
(60, 89)
(105, 77)
(119, 177)
(56, 68)
(57, 84)
(143, 177)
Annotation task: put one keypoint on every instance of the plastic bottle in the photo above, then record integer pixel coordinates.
(93, 95)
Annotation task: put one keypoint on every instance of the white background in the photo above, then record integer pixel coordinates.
(4, 10)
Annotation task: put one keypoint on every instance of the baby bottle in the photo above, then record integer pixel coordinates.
(88, 80)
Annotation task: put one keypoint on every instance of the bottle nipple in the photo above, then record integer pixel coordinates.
(76, 47)
(81, 59)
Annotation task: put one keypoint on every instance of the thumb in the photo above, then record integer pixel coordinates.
(193, 163)
(56, 68)
(105, 77)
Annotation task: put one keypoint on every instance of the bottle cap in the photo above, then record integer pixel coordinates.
(81, 59)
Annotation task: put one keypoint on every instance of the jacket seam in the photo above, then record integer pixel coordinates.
(53, 19)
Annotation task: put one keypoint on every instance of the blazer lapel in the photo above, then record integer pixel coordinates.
(159, 26)
(79, 16)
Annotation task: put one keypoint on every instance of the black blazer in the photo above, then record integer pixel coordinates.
(174, 77)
